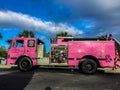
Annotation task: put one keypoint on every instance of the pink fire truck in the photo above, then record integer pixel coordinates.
(87, 54)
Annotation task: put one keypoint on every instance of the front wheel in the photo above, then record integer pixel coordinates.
(24, 64)
(88, 66)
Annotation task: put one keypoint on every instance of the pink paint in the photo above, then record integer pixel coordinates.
(98, 49)
(34, 62)
(9, 61)
(77, 49)
(104, 63)
(20, 48)
(73, 62)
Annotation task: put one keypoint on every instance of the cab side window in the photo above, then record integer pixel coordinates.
(31, 43)
(19, 43)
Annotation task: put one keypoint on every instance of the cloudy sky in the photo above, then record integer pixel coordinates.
(81, 18)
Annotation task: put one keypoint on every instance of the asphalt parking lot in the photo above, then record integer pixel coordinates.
(57, 79)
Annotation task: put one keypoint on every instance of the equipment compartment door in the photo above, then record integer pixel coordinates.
(59, 54)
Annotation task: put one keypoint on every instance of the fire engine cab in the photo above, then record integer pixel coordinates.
(87, 54)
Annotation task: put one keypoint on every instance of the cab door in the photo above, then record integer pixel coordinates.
(17, 49)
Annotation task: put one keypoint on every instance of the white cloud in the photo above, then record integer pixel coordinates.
(106, 14)
(10, 19)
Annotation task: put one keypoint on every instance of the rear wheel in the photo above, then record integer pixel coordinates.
(24, 64)
(88, 66)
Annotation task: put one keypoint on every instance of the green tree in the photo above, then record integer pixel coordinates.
(47, 54)
(63, 34)
(3, 52)
(26, 33)
(102, 37)
(1, 36)
(9, 41)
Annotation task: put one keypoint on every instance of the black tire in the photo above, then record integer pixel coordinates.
(24, 64)
(88, 66)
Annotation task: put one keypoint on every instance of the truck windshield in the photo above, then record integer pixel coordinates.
(19, 43)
